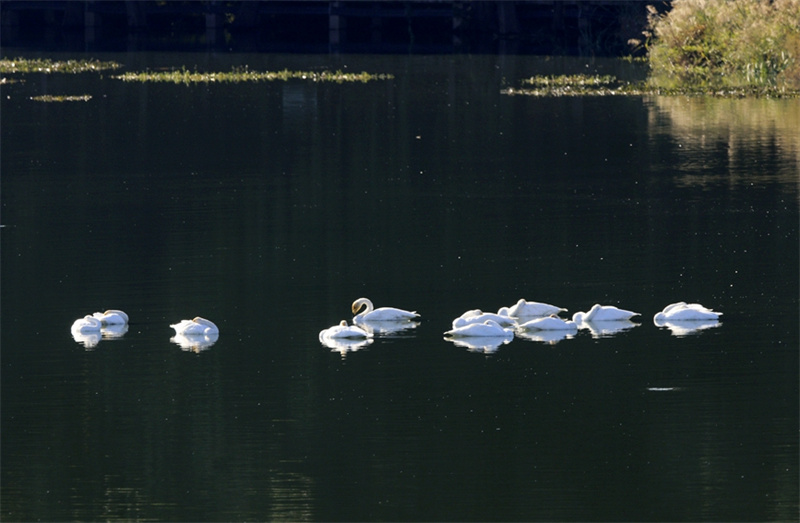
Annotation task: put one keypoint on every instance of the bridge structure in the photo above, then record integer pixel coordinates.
(546, 26)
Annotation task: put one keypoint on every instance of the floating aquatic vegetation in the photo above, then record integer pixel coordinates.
(45, 65)
(184, 76)
(61, 98)
(607, 85)
(571, 80)
(572, 85)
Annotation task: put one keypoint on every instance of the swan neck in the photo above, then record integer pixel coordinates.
(366, 304)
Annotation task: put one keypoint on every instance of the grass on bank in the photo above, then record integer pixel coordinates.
(721, 48)
(741, 45)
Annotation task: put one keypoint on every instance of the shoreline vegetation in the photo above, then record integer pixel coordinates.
(746, 48)
(710, 45)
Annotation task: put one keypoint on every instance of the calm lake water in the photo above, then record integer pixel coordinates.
(268, 208)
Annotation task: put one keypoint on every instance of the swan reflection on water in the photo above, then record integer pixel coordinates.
(687, 328)
(195, 342)
(90, 339)
(606, 329)
(345, 345)
(551, 337)
(387, 328)
(486, 345)
(87, 339)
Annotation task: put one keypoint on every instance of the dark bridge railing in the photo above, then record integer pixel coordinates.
(567, 26)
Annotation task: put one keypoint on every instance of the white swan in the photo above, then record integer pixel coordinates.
(343, 330)
(487, 329)
(86, 324)
(382, 314)
(111, 317)
(197, 325)
(603, 313)
(478, 316)
(683, 311)
(530, 309)
(550, 323)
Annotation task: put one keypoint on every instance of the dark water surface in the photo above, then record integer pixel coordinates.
(268, 208)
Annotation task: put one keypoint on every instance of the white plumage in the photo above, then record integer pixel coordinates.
(682, 311)
(478, 316)
(86, 324)
(382, 314)
(487, 329)
(111, 317)
(603, 313)
(550, 323)
(343, 330)
(530, 309)
(196, 325)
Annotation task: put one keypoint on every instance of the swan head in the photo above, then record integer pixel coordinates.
(343, 323)
(361, 303)
(586, 316)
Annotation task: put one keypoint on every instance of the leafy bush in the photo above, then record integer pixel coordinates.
(718, 44)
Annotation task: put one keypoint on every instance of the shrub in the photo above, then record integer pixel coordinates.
(718, 44)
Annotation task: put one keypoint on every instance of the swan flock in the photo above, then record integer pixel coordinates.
(527, 319)
(480, 330)
(195, 334)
